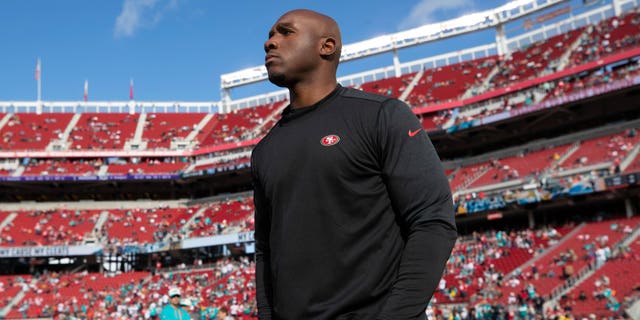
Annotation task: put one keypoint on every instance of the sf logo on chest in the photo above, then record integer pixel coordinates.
(329, 140)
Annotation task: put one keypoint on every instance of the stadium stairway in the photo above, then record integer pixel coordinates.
(411, 85)
(185, 229)
(539, 95)
(565, 58)
(140, 127)
(547, 251)
(567, 154)
(552, 286)
(5, 119)
(551, 250)
(136, 141)
(193, 134)
(483, 86)
(270, 118)
(587, 275)
(7, 220)
(471, 180)
(18, 171)
(62, 143)
(17, 298)
(103, 170)
(449, 123)
(624, 164)
(102, 219)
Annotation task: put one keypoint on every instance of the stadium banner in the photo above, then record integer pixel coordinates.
(561, 100)
(622, 180)
(48, 251)
(91, 178)
(528, 23)
(217, 240)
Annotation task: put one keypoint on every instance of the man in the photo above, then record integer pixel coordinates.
(354, 217)
(173, 310)
(224, 314)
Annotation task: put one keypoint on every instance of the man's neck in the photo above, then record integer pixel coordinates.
(307, 95)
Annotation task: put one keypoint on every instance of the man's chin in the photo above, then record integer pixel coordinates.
(278, 79)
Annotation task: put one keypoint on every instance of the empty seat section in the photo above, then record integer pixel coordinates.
(598, 150)
(140, 225)
(31, 131)
(450, 82)
(162, 128)
(466, 174)
(48, 227)
(230, 127)
(392, 87)
(522, 166)
(229, 216)
(526, 63)
(62, 167)
(10, 286)
(103, 131)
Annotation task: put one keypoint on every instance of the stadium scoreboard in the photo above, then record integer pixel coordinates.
(622, 180)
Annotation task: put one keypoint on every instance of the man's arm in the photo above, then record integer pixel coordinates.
(421, 198)
(263, 254)
(165, 313)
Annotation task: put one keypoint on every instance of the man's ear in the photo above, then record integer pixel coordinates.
(328, 47)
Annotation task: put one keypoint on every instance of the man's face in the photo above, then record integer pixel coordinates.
(292, 50)
(175, 300)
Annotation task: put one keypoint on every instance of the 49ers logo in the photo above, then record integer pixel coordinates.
(329, 140)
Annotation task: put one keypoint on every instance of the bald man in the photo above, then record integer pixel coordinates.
(354, 217)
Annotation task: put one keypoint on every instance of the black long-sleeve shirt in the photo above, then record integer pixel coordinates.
(354, 217)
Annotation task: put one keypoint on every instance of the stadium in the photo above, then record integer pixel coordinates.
(106, 205)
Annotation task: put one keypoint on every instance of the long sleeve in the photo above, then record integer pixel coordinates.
(421, 199)
(263, 254)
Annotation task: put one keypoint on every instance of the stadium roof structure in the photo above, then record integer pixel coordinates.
(493, 18)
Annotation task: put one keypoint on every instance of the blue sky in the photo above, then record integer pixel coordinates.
(176, 50)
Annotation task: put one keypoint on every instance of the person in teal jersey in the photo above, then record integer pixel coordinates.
(173, 310)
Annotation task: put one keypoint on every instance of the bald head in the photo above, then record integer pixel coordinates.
(303, 51)
(324, 26)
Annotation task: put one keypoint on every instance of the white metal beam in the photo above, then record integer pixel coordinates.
(413, 37)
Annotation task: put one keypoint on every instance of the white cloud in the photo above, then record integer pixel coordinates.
(430, 11)
(138, 14)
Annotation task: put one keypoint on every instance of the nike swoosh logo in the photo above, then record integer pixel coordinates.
(413, 133)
